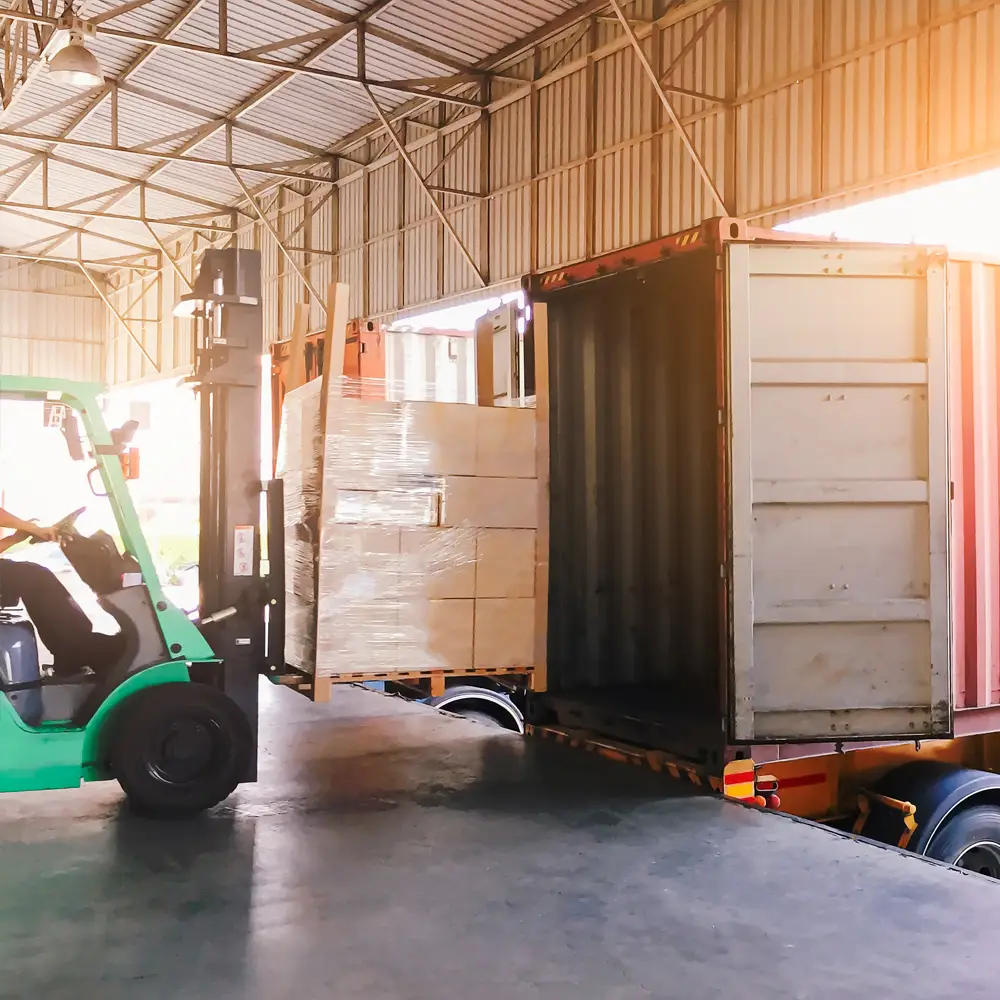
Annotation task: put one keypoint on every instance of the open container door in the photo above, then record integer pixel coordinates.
(839, 493)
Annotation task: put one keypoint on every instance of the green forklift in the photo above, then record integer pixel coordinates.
(174, 718)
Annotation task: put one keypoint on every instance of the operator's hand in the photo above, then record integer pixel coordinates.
(44, 534)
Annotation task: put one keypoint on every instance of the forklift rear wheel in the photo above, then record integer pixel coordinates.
(179, 749)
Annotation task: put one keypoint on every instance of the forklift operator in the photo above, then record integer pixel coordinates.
(63, 627)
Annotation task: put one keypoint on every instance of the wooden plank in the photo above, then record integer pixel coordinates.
(334, 344)
(484, 362)
(304, 681)
(296, 372)
(322, 689)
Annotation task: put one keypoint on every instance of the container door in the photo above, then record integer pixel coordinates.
(839, 492)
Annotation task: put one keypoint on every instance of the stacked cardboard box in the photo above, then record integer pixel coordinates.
(427, 535)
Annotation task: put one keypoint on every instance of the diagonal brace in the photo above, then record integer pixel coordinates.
(415, 170)
(699, 163)
(117, 315)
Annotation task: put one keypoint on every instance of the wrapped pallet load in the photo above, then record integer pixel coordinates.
(410, 534)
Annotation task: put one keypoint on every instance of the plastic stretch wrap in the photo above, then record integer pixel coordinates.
(298, 464)
(426, 550)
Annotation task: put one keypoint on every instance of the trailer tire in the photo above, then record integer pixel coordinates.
(178, 749)
(970, 839)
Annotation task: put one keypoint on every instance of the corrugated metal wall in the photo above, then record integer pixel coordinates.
(52, 323)
(790, 103)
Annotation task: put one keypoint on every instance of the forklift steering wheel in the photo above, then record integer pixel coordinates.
(63, 526)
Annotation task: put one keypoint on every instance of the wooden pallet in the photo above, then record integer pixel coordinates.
(319, 689)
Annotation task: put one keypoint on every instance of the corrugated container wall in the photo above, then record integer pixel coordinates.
(791, 105)
(52, 323)
(974, 305)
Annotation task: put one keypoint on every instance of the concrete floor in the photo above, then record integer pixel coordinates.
(389, 853)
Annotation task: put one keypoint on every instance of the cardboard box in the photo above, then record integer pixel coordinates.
(359, 635)
(361, 563)
(356, 540)
(363, 444)
(416, 506)
(505, 632)
(475, 502)
(437, 635)
(438, 563)
(505, 562)
(505, 442)
(441, 439)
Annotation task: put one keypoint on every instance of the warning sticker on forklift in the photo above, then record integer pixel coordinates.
(243, 550)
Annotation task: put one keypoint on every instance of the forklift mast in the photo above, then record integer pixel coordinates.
(228, 351)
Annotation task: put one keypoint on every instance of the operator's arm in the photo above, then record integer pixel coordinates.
(11, 540)
(8, 520)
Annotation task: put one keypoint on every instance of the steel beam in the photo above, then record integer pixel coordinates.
(42, 258)
(167, 256)
(211, 128)
(127, 183)
(102, 147)
(114, 12)
(221, 120)
(179, 19)
(667, 106)
(415, 170)
(295, 68)
(563, 22)
(31, 217)
(117, 315)
(285, 252)
(51, 109)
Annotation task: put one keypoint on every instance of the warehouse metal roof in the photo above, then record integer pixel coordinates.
(195, 88)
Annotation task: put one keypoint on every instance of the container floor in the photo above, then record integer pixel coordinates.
(651, 715)
(390, 853)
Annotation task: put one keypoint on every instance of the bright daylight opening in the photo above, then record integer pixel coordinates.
(962, 215)
(461, 317)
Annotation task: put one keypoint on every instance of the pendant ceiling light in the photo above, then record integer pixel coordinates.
(74, 65)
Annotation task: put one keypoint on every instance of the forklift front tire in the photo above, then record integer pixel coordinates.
(178, 749)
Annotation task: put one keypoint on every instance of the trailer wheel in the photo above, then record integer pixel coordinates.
(481, 717)
(179, 749)
(970, 840)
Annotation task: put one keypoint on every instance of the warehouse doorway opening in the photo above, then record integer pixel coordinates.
(962, 215)
(166, 492)
(458, 317)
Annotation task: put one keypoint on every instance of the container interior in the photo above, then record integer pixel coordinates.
(635, 636)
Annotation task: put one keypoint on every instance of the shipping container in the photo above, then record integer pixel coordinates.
(774, 495)
(749, 493)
